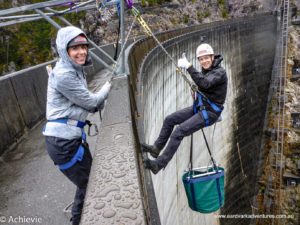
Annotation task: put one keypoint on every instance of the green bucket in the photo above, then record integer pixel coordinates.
(204, 189)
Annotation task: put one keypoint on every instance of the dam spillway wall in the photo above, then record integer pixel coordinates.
(248, 48)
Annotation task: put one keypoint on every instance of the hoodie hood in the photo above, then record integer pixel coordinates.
(64, 36)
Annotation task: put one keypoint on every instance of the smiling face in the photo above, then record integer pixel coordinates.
(206, 61)
(78, 53)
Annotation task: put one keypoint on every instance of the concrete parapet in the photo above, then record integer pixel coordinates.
(30, 88)
(12, 124)
(22, 103)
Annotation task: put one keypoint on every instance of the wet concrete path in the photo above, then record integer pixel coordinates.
(32, 189)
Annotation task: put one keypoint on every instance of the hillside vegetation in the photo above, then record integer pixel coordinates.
(28, 44)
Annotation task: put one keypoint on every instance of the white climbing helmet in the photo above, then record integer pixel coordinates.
(204, 49)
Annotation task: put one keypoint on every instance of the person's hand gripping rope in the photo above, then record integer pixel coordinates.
(183, 63)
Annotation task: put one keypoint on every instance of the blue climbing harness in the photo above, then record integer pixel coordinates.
(198, 105)
(80, 152)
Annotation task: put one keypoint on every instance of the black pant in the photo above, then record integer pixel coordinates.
(188, 123)
(78, 173)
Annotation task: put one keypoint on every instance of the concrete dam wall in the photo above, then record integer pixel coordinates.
(248, 48)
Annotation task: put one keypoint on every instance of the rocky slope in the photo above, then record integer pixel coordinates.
(284, 192)
(103, 28)
(291, 200)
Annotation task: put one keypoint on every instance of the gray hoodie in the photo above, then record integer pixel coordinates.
(67, 94)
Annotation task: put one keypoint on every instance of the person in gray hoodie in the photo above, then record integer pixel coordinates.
(68, 103)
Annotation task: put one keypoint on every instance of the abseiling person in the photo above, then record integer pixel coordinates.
(68, 103)
(212, 82)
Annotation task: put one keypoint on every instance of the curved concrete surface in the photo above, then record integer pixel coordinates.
(248, 49)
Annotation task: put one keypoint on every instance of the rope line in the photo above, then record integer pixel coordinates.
(245, 176)
(148, 31)
(240, 157)
(123, 47)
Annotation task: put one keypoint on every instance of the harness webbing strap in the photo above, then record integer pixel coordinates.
(198, 105)
(193, 196)
(129, 3)
(75, 123)
(213, 105)
(219, 191)
(77, 157)
(83, 134)
(80, 152)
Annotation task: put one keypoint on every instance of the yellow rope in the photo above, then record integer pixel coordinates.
(144, 25)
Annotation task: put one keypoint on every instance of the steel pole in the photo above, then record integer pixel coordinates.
(122, 69)
(48, 19)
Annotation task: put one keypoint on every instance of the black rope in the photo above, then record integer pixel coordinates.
(191, 153)
(117, 42)
(212, 159)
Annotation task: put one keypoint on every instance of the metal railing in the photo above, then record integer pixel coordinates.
(272, 193)
(12, 16)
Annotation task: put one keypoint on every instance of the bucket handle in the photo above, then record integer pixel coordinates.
(204, 170)
(204, 174)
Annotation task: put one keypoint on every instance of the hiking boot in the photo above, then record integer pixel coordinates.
(151, 165)
(152, 149)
